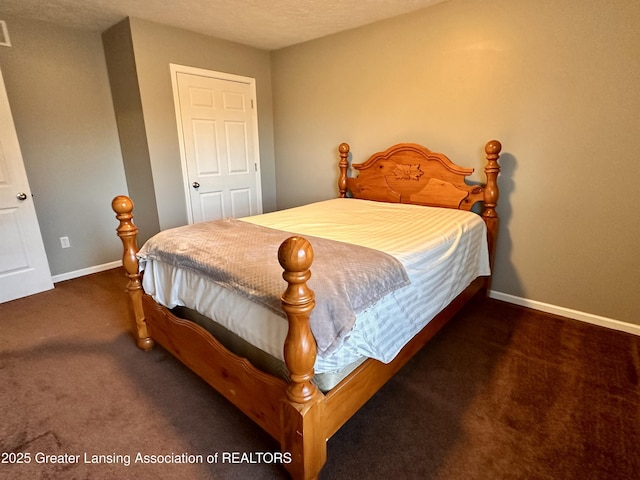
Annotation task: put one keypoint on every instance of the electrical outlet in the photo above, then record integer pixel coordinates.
(64, 242)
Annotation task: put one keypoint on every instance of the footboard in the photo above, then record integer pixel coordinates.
(233, 377)
(293, 412)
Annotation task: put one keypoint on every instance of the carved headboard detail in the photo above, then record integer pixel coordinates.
(410, 173)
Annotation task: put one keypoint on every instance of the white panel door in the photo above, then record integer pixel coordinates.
(24, 269)
(217, 123)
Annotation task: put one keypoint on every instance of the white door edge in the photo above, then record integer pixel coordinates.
(36, 276)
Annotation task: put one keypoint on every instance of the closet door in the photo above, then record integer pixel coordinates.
(218, 130)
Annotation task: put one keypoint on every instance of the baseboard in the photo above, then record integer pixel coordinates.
(86, 271)
(567, 312)
(505, 297)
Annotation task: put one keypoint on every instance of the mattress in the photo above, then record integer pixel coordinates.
(442, 250)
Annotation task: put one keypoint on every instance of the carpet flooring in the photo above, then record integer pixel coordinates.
(502, 392)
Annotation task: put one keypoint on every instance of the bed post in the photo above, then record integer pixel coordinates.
(491, 194)
(303, 410)
(127, 231)
(344, 166)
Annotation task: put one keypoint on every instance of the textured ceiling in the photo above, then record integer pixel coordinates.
(267, 24)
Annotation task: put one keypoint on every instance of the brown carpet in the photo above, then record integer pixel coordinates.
(501, 393)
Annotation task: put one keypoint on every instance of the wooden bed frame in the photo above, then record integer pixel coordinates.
(296, 413)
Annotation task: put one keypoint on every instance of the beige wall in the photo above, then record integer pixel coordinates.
(58, 87)
(155, 47)
(555, 81)
(58, 90)
(123, 79)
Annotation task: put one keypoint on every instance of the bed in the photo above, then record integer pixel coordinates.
(275, 382)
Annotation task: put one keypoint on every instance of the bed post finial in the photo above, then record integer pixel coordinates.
(344, 165)
(295, 256)
(128, 232)
(491, 194)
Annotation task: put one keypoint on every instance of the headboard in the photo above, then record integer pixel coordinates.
(411, 173)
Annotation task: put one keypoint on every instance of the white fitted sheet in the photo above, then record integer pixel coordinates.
(443, 250)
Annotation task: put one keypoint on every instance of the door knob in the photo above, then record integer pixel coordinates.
(195, 185)
(21, 196)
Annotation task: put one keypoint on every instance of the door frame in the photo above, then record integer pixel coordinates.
(175, 69)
